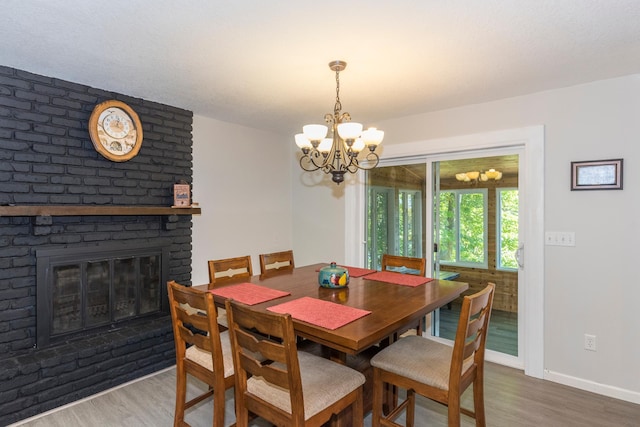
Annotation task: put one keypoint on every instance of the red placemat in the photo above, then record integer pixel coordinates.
(356, 271)
(326, 314)
(359, 272)
(248, 293)
(398, 278)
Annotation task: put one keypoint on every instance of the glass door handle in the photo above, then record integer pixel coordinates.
(518, 254)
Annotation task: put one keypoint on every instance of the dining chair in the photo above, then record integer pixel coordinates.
(276, 262)
(406, 265)
(229, 270)
(201, 350)
(285, 386)
(435, 370)
(403, 264)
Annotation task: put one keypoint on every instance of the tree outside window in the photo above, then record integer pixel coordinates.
(463, 225)
(394, 223)
(507, 228)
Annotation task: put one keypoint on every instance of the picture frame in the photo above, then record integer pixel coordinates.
(181, 196)
(596, 175)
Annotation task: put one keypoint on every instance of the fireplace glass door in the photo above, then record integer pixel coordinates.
(87, 291)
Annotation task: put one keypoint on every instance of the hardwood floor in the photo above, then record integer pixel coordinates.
(503, 328)
(512, 399)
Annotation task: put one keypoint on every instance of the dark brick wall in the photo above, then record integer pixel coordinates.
(46, 157)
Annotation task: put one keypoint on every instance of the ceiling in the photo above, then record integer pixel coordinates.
(263, 64)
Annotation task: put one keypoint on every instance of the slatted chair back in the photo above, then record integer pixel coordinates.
(435, 370)
(275, 263)
(407, 265)
(270, 372)
(403, 264)
(201, 349)
(229, 270)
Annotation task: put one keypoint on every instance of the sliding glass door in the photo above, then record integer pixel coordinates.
(472, 222)
(475, 234)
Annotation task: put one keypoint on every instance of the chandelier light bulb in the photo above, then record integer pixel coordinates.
(373, 136)
(315, 132)
(349, 130)
(473, 175)
(302, 141)
(479, 176)
(325, 145)
(358, 145)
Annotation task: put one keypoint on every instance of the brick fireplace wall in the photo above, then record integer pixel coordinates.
(47, 158)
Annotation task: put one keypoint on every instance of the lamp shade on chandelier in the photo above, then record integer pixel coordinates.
(476, 176)
(341, 146)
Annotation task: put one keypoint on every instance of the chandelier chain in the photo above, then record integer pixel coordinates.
(338, 107)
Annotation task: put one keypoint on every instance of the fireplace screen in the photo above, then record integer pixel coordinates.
(86, 289)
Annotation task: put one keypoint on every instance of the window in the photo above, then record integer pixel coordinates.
(394, 223)
(463, 227)
(507, 228)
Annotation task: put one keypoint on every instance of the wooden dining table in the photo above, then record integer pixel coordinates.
(393, 307)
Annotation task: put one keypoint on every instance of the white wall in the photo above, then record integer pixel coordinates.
(242, 180)
(590, 288)
(318, 217)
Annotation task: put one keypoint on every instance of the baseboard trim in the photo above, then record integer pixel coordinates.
(603, 389)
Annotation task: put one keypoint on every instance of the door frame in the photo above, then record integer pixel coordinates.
(531, 177)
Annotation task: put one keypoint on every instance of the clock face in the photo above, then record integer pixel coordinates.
(115, 130)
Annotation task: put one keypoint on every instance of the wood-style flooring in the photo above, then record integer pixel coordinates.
(512, 399)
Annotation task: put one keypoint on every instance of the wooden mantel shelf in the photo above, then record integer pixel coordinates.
(80, 210)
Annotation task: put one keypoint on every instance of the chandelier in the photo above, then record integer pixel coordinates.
(476, 176)
(338, 153)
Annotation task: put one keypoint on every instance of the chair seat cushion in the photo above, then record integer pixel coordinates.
(204, 359)
(323, 383)
(420, 359)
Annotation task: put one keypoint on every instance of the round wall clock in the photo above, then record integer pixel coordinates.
(115, 130)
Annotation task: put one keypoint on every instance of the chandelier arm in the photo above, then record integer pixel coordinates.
(372, 161)
(344, 117)
(308, 161)
(305, 161)
(330, 119)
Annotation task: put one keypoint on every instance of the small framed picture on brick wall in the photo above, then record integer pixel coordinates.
(181, 196)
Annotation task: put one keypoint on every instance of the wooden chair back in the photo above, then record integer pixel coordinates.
(471, 335)
(276, 262)
(265, 355)
(199, 349)
(229, 270)
(464, 365)
(409, 265)
(257, 337)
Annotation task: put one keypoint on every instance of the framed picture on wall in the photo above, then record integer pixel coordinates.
(596, 175)
(181, 196)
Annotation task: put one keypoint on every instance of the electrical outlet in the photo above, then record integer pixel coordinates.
(589, 342)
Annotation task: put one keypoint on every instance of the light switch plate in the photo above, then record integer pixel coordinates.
(560, 238)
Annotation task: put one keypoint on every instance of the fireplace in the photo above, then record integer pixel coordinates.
(83, 289)
(59, 193)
